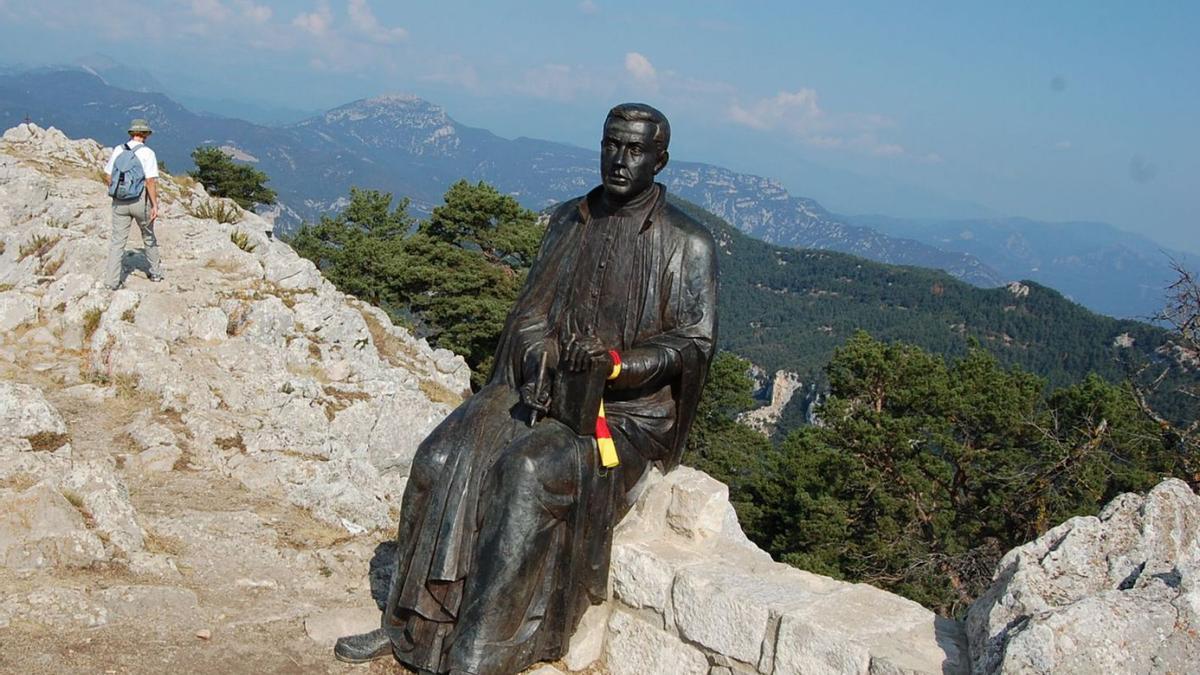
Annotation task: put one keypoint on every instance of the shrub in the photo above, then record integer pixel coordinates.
(222, 211)
(38, 246)
(242, 241)
(91, 321)
(223, 177)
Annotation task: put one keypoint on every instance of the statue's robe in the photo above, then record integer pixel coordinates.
(505, 530)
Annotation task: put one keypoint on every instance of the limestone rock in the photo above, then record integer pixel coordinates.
(158, 459)
(16, 309)
(1114, 593)
(25, 413)
(635, 647)
(587, 642)
(105, 498)
(40, 528)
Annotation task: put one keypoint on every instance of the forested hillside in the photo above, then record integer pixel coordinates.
(789, 309)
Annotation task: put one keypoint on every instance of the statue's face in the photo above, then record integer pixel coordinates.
(629, 158)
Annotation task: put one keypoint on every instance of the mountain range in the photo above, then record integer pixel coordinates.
(413, 148)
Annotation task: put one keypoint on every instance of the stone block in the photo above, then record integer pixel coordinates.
(635, 647)
(587, 642)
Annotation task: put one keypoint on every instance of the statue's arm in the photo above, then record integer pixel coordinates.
(691, 322)
(526, 334)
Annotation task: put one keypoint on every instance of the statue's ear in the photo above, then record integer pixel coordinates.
(662, 162)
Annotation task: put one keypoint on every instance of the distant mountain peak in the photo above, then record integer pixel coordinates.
(405, 109)
(394, 121)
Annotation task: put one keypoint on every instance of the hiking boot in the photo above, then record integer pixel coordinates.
(155, 277)
(363, 647)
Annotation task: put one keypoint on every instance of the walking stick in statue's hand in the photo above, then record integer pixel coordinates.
(537, 389)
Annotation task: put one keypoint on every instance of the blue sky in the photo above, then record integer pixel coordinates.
(1059, 111)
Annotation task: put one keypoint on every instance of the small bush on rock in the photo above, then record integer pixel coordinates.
(242, 241)
(219, 210)
(38, 246)
(91, 321)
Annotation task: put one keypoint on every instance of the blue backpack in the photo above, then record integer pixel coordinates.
(128, 177)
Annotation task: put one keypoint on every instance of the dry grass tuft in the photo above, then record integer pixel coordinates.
(300, 531)
(242, 241)
(127, 315)
(163, 544)
(91, 321)
(47, 441)
(231, 443)
(391, 348)
(19, 481)
(49, 266)
(239, 317)
(221, 210)
(223, 265)
(341, 399)
(439, 394)
(38, 246)
(6, 287)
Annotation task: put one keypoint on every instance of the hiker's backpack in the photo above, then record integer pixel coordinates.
(128, 177)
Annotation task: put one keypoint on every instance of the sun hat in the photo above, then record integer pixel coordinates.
(140, 126)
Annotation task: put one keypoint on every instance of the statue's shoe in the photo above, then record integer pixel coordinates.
(363, 647)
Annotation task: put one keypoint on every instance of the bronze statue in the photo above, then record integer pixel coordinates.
(507, 519)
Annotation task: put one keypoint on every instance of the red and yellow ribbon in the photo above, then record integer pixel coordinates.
(604, 440)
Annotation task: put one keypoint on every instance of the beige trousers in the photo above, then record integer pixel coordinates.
(123, 213)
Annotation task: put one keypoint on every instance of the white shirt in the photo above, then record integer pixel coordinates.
(140, 150)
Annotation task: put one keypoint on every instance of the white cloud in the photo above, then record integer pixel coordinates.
(795, 111)
(211, 10)
(364, 20)
(799, 114)
(640, 68)
(317, 22)
(587, 7)
(254, 12)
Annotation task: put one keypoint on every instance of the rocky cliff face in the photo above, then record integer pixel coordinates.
(1117, 593)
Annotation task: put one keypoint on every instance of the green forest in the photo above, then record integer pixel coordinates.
(960, 422)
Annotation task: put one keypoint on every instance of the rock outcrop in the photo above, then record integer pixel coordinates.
(1117, 593)
(783, 387)
(277, 378)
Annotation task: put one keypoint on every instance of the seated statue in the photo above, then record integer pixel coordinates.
(506, 523)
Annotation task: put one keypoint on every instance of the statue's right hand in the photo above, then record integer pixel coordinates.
(536, 397)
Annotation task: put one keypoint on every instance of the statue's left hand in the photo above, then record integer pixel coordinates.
(584, 352)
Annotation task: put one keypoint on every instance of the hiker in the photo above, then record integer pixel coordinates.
(132, 178)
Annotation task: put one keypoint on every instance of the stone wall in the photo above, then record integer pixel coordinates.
(690, 594)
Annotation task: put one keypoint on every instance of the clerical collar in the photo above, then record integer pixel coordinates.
(642, 209)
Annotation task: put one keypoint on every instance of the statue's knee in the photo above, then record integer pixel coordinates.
(428, 463)
(518, 471)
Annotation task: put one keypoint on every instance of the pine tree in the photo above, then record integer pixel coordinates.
(222, 177)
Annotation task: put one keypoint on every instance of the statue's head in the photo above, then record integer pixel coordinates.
(633, 150)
